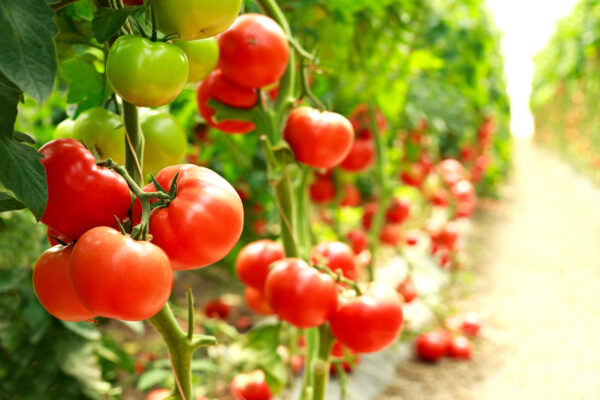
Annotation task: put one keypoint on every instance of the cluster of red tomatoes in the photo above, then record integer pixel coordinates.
(102, 272)
(305, 297)
(451, 340)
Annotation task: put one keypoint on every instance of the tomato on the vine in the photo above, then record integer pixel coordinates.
(471, 324)
(115, 276)
(217, 308)
(351, 196)
(432, 346)
(252, 263)
(358, 240)
(165, 141)
(391, 234)
(360, 157)
(407, 290)
(460, 348)
(254, 51)
(257, 301)
(399, 210)
(146, 73)
(250, 386)
(335, 256)
(369, 322)
(53, 288)
(81, 195)
(219, 88)
(322, 190)
(318, 139)
(196, 19)
(299, 294)
(202, 56)
(202, 223)
(103, 131)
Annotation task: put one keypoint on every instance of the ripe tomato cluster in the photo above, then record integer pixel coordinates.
(103, 272)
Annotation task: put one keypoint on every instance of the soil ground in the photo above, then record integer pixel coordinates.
(537, 268)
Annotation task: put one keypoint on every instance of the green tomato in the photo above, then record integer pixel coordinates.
(64, 129)
(196, 19)
(103, 130)
(146, 73)
(165, 141)
(202, 54)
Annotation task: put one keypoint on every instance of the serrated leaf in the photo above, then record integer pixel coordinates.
(9, 100)
(9, 203)
(86, 330)
(28, 57)
(23, 137)
(22, 173)
(152, 377)
(107, 21)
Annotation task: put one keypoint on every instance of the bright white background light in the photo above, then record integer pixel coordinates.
(527, 25)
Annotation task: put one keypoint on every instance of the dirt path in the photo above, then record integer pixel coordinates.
(538, 289)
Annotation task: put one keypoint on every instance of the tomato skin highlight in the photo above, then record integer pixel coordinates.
(370, 322)
(81, 195)
(257, 301)
(217, 86)
(318, 139)
(252, 263)
(53, 287)
(254, 51)
(196, 19)
(335, 256)
(204, 221)
(146, 73)
(300, 294)
(115, 276)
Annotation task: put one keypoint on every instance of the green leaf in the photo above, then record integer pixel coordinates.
(28, 57)
(136, 326)
(22, 173)
(86, 330)
(9, 203)
(76, 358)
(87, 86)
(107, 22)
(23, 137)
(153, 377)
(10, 95)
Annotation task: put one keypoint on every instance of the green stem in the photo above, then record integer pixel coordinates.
(302, 215)
(321, 365)
(154, 20)
(134, 142)
(378, 218)
(283, 197)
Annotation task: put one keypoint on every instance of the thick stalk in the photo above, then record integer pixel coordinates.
(302, 217)
(321, 365)
(134, 142)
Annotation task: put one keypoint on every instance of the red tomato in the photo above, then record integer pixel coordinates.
(254, 51)
(399, 210)
(318, 139)
(204, 221)
(243, 323)
(412, 238)
(51, 234)
(440, 198)
(159, 394)
(426, 163)
(351, 196)
(115, 276)
(431, 346)
(252, 263)
(391, 234)
(217, 308)
(322, 190)
(217, 87)
(259, 227)
(367, 218)
(360, 157)
(251, 386)
(81, 195)
(361, 118)
(446, 237)
(300, 294)
(471, 324)
(53, 287)
(466, 153)
(452, 171)
(460, 348)
(257, 302)
(414, 176)
(407, 290)
(335, 256)
(370, 322)
(297, 363)
(463, 191)
(358, 240)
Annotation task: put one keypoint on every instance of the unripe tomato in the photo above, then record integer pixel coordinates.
(460, 348)
(146, 73)
(369, 322)
(407, 290)
(81, 195)
(217, 308)
(253, 261)
(202, 223)
(115, 276)
(217, 87)
(322, 190)
(358, 240)
(196, 19)
(351, 196)
(391, 234)
(254, 51)
(64, 129)
(257, 301)
(202, 55)
(318, 139)
(431, 346)
(251, 386)
(335, 256)
(360, 157)
(399, 211)
(299, 294)
(165, 141)
(53, 288)
(103, 130)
